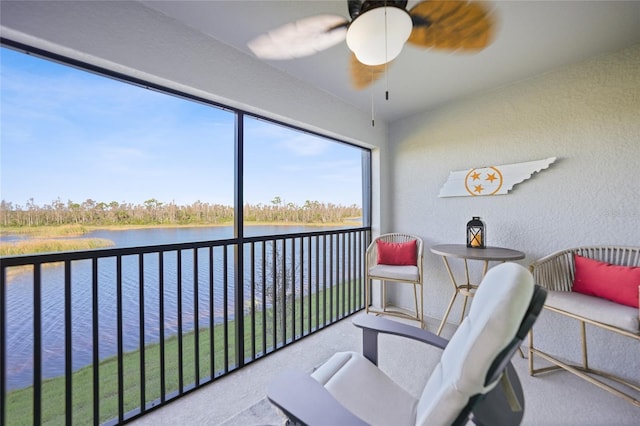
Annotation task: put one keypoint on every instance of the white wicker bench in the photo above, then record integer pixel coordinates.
(556, 273)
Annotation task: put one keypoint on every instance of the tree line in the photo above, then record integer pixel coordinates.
(154, 212)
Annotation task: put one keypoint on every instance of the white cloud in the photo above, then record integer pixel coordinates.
(305, 146)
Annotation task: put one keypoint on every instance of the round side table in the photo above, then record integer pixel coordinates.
(461, 251)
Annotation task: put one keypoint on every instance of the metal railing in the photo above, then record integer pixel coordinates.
(104, 336)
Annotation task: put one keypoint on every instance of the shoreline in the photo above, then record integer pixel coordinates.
(46, 232)
(40, 240)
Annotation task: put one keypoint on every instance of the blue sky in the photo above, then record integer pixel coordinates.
(73, 135)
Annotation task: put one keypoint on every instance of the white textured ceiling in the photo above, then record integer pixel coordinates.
(533, 37)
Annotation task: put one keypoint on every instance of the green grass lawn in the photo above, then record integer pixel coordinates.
(19, 403)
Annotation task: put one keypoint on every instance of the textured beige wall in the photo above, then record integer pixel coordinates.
(587, 115)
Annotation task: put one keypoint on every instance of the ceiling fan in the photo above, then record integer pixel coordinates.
(378, 30)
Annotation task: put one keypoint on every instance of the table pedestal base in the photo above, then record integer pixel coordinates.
(467, 290)
(460, 251)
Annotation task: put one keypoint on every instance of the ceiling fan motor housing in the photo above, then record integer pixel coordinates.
(358, 7)
(376, 35)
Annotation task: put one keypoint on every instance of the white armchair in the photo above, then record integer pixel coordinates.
(404, 272)
(473, 380)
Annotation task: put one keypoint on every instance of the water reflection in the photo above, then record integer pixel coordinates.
(20, 296)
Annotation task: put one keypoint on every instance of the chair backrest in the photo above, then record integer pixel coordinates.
(496, 316)
(504, 405)
(556, 271)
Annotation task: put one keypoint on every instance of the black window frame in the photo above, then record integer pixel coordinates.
(239, 126)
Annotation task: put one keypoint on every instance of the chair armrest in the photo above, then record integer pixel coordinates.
(372, 326)
(307, 402)
(554, 271)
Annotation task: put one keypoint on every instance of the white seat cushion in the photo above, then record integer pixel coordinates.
(596, 309)
(498, 308)
(366, 391)
(393, 272)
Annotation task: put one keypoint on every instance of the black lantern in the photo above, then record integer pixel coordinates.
(476, 235)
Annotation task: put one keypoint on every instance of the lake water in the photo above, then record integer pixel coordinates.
(20, 298)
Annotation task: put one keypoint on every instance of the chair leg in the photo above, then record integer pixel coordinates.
(584, 371)
(583, 338)
(422, 324)
(384, 295)
(367, 289)
(417, 315)
(531, 351)
(415, 299)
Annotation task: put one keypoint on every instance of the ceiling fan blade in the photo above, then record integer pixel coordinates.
(363, 75)
(301, 38)
(452, 25)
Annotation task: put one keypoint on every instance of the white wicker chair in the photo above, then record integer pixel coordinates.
(555, 273)
(398, 274)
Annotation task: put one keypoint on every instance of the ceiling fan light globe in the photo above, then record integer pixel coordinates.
(368, 40)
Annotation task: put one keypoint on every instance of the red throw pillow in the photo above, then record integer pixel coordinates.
(397, 253)
(612, 282)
